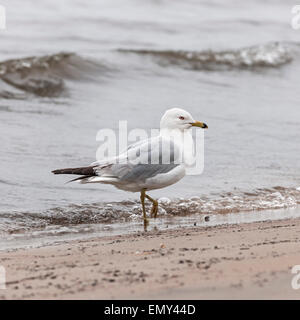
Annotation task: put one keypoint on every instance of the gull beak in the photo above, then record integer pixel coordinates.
(199, 124)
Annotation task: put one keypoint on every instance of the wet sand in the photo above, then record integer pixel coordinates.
(246, 261)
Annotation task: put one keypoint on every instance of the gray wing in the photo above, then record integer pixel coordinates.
(143, 160)
(142, 172)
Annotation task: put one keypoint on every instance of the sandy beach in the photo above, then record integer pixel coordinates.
(246, 261)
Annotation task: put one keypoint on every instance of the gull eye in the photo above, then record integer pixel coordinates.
(181, 118)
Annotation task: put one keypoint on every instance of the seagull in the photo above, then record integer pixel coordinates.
(149, 164)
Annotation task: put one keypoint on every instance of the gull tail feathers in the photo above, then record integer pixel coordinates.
(87, 175)
(81, 179)
(86, 171)
(96, 179)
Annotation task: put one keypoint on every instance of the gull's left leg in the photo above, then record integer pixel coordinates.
(154, 209)
(146, 222)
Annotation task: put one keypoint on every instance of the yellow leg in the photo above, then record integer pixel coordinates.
(154, 209)
(146, 222)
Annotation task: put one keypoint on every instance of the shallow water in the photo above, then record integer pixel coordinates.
(69, 69)
(56, 234)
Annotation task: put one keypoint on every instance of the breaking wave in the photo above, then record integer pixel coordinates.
(43, 76)
(261, 56)
(260, 199)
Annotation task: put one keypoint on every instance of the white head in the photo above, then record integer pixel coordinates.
(177, 118)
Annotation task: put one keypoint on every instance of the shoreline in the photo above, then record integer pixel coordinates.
(239, 261)
(58, 234)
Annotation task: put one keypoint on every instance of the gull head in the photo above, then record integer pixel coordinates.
(177, 118)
